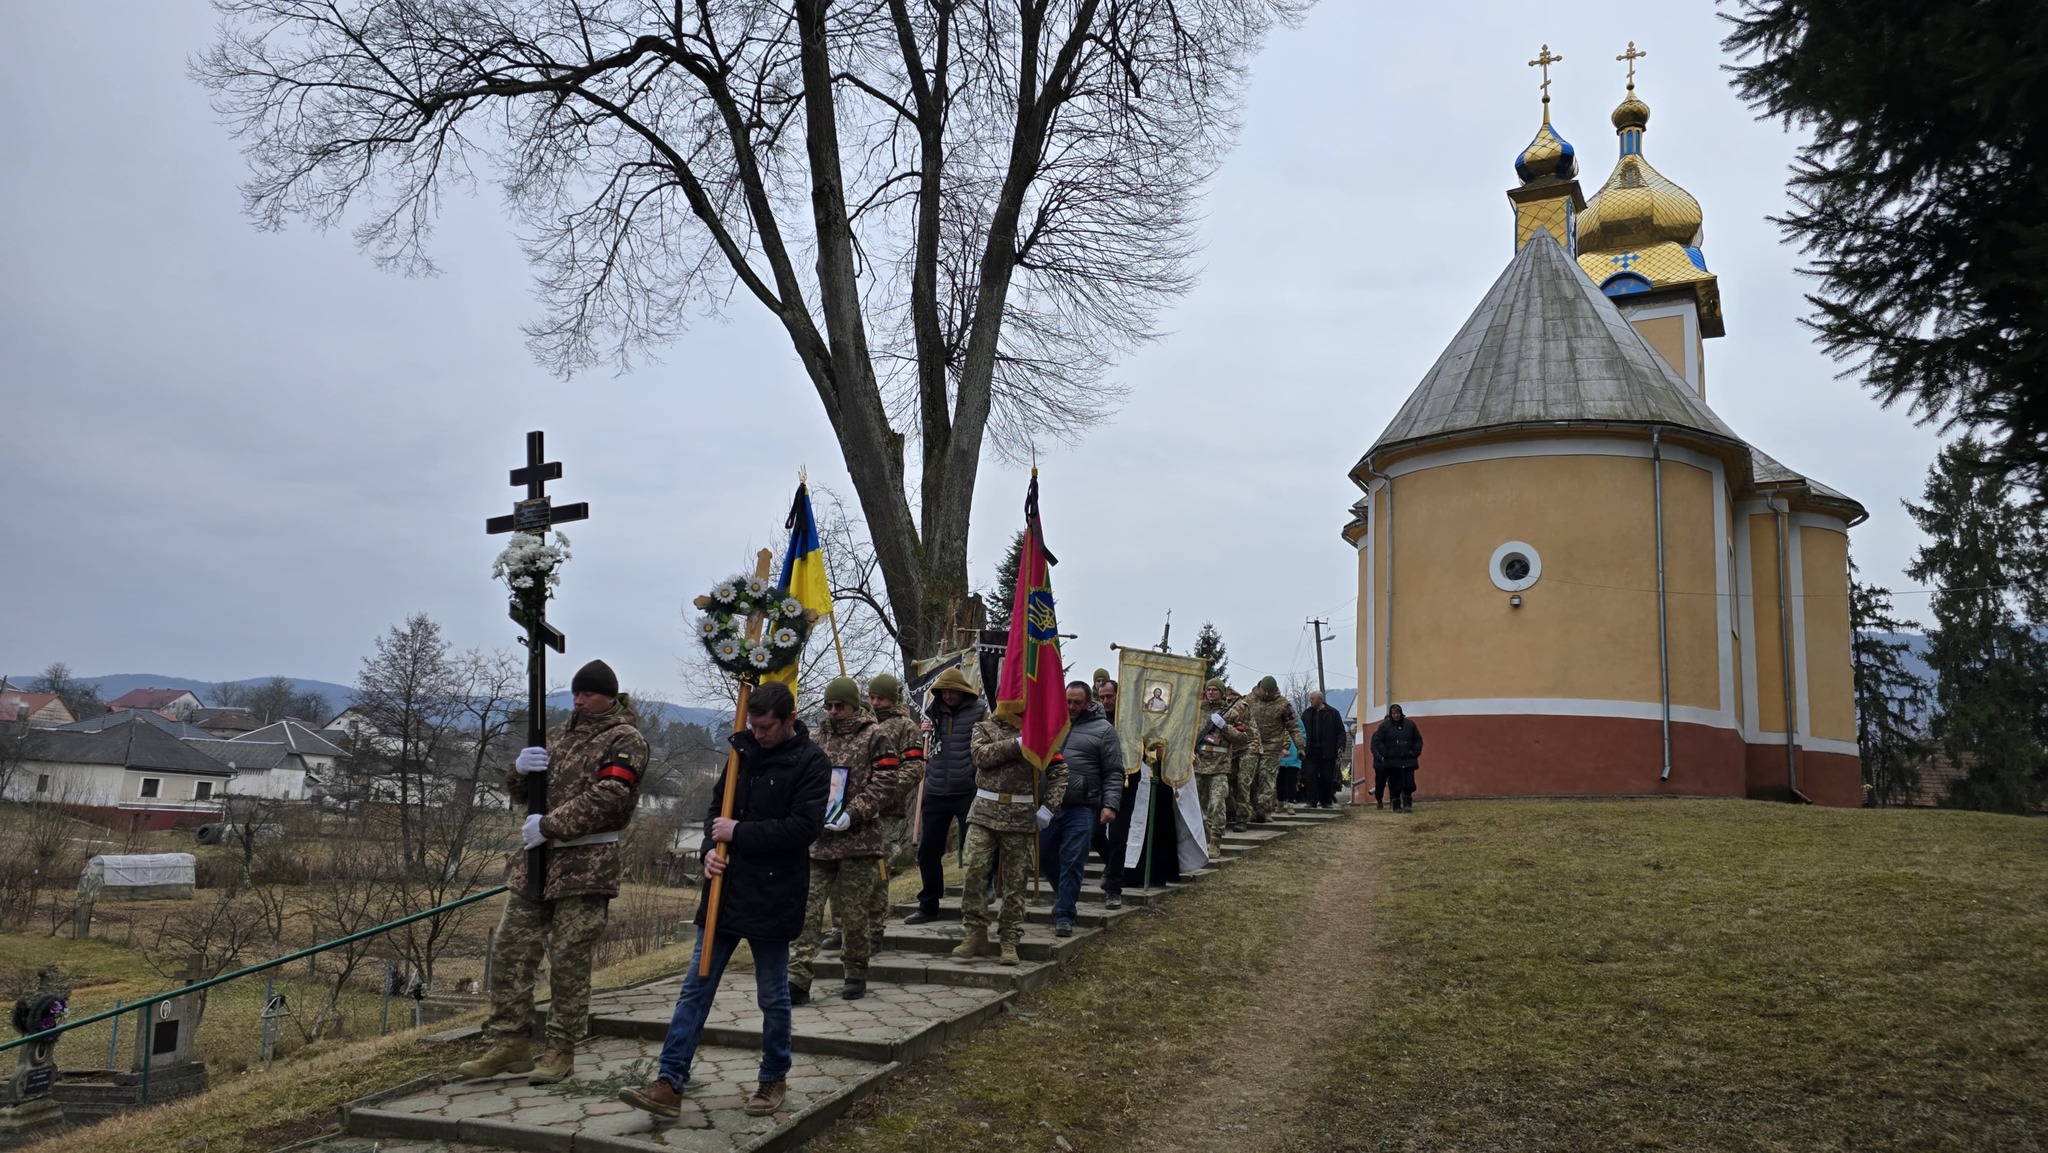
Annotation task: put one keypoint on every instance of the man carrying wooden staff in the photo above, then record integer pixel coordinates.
(779, 787)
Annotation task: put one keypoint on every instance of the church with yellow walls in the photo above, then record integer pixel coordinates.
(1574, 575)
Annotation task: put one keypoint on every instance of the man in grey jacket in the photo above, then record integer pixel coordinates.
(1095, 790)
(948, 783)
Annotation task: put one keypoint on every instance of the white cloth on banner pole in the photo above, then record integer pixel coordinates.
(1187, 805)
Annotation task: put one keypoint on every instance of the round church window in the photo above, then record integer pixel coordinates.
(1515, 566)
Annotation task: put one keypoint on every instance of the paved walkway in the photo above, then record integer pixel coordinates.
(919, 998)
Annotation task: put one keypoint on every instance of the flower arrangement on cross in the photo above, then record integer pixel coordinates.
(785, 626)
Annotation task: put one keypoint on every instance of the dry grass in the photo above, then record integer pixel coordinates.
(1710, 975)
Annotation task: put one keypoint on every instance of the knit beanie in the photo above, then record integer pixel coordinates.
(595, 677)
(1101, 675)
(886, 687)
(843, 690)
(1269, 684)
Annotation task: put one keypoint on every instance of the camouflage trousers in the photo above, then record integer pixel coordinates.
(566, 929)
(1215, 792)
(1253, 787)
(983, 846)
(898, 853)
(849, 885)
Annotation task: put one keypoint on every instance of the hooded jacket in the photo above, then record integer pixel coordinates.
(949, 759)
(1095, 762)
(1397, 746)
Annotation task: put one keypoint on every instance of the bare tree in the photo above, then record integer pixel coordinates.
(407, 691)
(81, 697)
(273, 699)
(352, 891)
(960, 212)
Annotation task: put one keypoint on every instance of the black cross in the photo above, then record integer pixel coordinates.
(536, 514)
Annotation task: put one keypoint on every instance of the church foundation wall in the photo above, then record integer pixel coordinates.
(1549, 755)
(1824, 778)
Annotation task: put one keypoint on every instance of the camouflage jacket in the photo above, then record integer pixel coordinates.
(1000, 767)
(594, 770)
(863, 749)
(1216, 745)
(906, 736)
(1268, 723)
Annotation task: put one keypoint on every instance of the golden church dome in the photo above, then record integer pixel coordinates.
(1547, 155)
(1637, 207)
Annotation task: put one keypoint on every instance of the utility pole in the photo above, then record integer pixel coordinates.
(1322, 685)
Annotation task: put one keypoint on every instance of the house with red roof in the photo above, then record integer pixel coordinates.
(177, 704)
(39, 710)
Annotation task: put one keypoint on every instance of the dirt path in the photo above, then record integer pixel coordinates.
(1313, 994)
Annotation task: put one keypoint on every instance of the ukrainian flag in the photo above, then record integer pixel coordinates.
(803, 570)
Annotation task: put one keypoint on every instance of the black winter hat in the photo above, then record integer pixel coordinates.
(596, 677)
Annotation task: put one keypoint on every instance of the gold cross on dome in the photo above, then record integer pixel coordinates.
(1632, 55)
(1544, 60)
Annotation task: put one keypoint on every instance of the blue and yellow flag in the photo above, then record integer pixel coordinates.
(803, 571)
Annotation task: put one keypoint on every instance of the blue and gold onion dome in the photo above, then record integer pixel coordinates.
(1547, 155)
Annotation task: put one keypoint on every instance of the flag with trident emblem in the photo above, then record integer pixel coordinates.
(1032, 693)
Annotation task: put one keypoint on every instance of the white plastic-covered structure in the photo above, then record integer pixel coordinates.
(137, 877)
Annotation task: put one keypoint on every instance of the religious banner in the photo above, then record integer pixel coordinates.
(1159, 702)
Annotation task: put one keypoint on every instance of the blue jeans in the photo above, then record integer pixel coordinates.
(771, 993)
(1066, 842)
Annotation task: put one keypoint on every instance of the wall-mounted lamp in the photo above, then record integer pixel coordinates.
(1515, 601)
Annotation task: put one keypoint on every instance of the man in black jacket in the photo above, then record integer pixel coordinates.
(1095, 790)
(1324, 728)
(948, 783)
(1397, 745)
(778, 810)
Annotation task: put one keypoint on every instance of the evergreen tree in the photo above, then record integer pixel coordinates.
(1005, 590)
(1990, 662)
(1209, 646)
(1890, 697)
(1922, 197)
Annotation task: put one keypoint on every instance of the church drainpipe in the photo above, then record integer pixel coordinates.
(1388, 642)
(1784, 519)
(1663, 602)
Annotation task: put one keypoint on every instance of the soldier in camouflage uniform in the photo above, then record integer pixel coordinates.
(593, 763)
(1269, 719)
(1215, 745)
(1237, 804)
(846, 860)
(1011, 805)
(885, 697)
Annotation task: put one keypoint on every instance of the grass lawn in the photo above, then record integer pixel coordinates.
(1719, 975)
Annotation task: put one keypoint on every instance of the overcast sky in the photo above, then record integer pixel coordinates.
(226, 453)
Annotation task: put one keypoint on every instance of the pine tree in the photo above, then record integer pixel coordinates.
(1990, 662)
(1922, 197)
(1890, 697)
(1000, 596)
(1209, 646)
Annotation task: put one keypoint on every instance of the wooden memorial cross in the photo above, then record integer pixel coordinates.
(535, 515)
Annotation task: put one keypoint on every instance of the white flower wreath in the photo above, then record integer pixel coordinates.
(787, 625)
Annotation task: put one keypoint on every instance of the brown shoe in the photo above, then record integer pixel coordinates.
(1009, 956)
(656, 1097)
(767, 1099)
(973, 945)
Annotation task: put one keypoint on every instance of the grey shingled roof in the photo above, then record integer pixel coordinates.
(293, 735)
(130, 746)
(249, 755)
(1545, 347)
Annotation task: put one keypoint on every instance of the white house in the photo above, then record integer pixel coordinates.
(133, 775)
(286, 761)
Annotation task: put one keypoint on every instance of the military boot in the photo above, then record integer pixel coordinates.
(509, 1055)
(975, 944)
(1009, 956)
(554, 1065)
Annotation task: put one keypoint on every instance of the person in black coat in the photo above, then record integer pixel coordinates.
(1397, 752)
(1324, 728)
(778, 810)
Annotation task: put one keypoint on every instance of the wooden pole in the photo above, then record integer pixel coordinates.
(732, 781)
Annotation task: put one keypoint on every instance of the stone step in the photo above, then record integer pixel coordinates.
(941, 969)
(896, 1021)
(584, 1113)
(1037, 944)
(1085, 916)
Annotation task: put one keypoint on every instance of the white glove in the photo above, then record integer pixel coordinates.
(1044, 816)
(530, 833)
(1020, 742)
(531, 759)
(1216, 719)
(840, 823)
